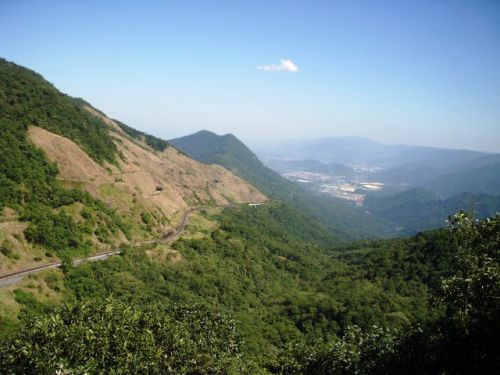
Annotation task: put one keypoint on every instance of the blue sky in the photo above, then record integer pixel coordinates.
(413, 72)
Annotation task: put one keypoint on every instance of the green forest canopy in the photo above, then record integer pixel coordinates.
(301, 308)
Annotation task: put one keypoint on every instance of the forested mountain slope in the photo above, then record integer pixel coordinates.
(479, 180)
(263, 289)
(300, 308)
(245, 290)
(344, 220)
(271, 268)
(73, 182)
(420, 209)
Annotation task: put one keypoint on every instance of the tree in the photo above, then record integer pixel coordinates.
(110, 337)
(465, 339)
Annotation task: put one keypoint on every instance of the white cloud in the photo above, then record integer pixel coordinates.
(285, 65)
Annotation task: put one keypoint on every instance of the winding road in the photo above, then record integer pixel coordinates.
(15, 277)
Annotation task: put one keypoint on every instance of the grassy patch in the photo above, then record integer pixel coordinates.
(199, 226)
(119, 197)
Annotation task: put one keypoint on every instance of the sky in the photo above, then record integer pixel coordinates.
(411, 72)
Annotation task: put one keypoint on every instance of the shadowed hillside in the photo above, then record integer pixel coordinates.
(419, 209)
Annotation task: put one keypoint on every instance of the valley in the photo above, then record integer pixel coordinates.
(249, 187)
(343, 220)
(416, 188)
(351, 188)
(121, 252)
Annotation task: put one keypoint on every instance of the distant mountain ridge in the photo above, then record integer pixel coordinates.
(484, 179)
(446, 171)
(364, 151)
(285, 166)
(343, 219)
(422, 185)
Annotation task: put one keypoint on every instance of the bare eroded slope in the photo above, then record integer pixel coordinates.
(168, 181)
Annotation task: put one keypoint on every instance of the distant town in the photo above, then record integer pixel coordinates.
(350, 188)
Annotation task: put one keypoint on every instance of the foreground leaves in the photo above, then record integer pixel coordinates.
(111, 337)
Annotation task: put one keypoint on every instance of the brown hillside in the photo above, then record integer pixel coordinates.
(169, 181)
(142, 182)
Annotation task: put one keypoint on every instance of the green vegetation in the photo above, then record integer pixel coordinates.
(259, 290)
(299, 308)
(110, 337)
(483, 179)
(465, 339)
(419, 209)
(155, 143)
(357, 352)
(27, 99)
(28, 184)
(266, 267)
(6, 248)
(28, 181)
(342, 219)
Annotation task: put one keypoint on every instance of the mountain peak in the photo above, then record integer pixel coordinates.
(209, 133)
(205, 132)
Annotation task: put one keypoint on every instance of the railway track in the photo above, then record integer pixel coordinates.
(15, 277)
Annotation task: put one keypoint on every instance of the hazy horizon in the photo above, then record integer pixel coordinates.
(253, 141)
(391, 72)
